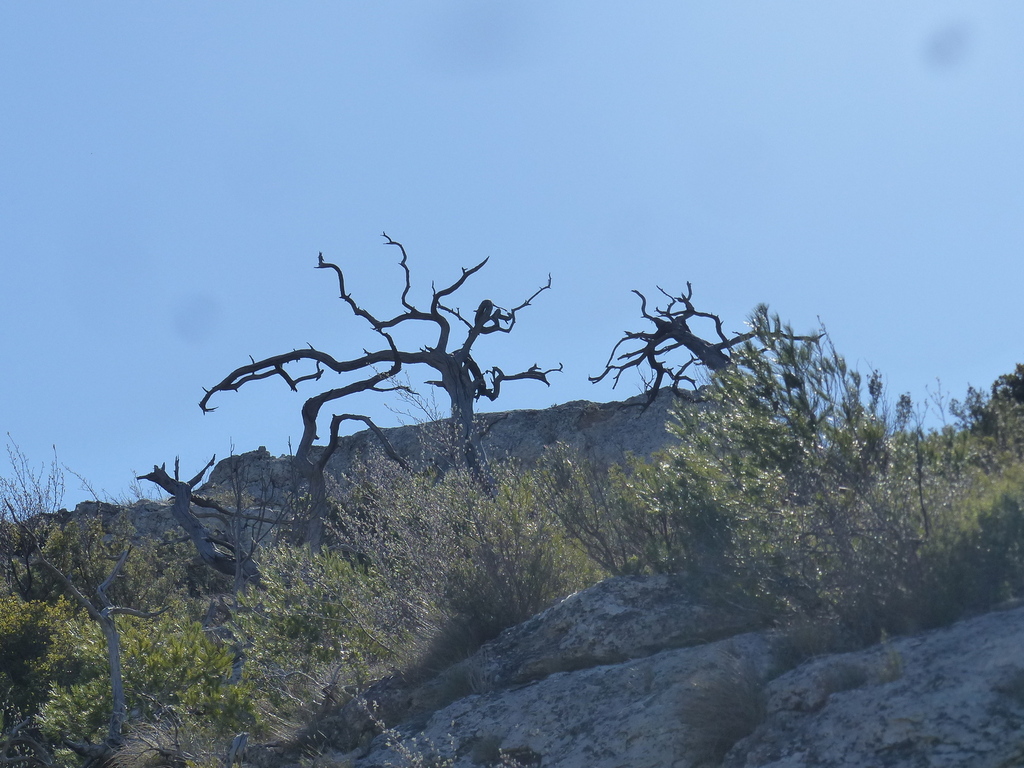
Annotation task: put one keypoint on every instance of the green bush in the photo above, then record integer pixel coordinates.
(514, 556)
(169, 664)
(35, 656)
(311, 611)
(461, 562)
(976, 558)
(792, 485)
(607, 514)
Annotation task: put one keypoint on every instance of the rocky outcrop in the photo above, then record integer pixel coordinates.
(620, 619)
(630, 673)
(605, 433)
(584, 679)
(950, 697)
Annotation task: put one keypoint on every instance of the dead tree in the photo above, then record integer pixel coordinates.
(459, 374)
(652, 352)
(20, 747)
(102, 612)
(216, 551)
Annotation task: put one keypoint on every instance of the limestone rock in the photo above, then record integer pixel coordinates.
(951, 697)
(628, 714)
(603, 432)
(596, 682)
(622, 618)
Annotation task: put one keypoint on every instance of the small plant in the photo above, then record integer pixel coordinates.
(723, 704)
(843, 676)
(892, 663)
(486, 749)
(804, 639)
(466, 678)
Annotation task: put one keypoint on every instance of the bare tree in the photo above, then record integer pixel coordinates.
(653, 348)
(459, 374)
(102, 612)
(31, 499)
(227, 557)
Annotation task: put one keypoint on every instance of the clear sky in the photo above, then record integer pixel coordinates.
(169, 171)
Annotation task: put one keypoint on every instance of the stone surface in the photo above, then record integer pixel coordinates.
(618, 621)
(621, 618)
(604, 432)
(950, 697)
(628, 714)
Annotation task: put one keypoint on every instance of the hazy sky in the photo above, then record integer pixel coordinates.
(169, 171)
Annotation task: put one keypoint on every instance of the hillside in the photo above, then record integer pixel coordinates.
(789, 572)
(632, 673)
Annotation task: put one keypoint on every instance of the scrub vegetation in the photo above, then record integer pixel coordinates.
(798, 488)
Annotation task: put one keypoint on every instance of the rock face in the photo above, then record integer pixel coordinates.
(950, 697)
(629, 673)
(603, 432)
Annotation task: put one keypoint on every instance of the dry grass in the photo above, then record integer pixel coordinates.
(723, 704)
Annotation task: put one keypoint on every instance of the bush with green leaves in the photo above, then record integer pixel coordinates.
(314, 619)
(170, 666)
(35, 655)
(462, 561)
(782, 488)
(602, 511)
(976, 559)
(797, 485)
(514, 556)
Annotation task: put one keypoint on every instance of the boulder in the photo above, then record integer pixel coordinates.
(629, 673)
(603, 432)
(951, 697)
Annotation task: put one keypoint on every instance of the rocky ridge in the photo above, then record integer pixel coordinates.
(633, 672)
(603, 432)
(629, 673)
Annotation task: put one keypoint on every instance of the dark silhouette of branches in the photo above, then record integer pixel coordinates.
(651, 351)
(458, 372)
(217, 552)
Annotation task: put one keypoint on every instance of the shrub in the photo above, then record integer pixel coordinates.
(316, 624)
(602, 510)
(723, 704)
(462, 562)
(169, 665)
(34, 655)
(515, 558)
(976, 558)
(779, 488)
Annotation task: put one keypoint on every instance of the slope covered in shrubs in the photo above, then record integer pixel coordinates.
(797, 491)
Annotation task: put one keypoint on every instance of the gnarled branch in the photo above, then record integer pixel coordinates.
(460, 375)
(648, 351)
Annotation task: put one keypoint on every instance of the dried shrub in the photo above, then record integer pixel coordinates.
(723, 704)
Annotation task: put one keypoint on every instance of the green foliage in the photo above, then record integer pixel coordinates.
(777, 488)
(85, 549)
(514, 558)
(460, 562)
(311, 611)
(34, 655)
(798, 486)
(604, 511)
(976, 560)
(170, 665)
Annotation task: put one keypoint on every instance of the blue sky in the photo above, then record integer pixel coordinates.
(169, 171)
